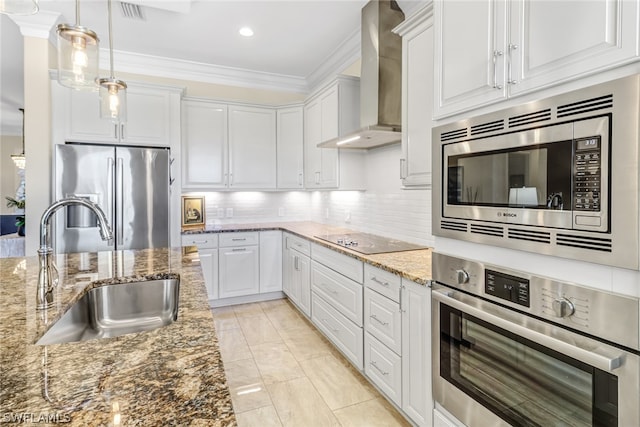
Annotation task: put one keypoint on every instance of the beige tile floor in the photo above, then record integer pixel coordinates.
(282, 372)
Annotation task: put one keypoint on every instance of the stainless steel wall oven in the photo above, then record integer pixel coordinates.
(557, 176)
(510, 348)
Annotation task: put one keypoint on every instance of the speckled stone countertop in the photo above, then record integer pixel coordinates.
(169, 376)
(413, 265)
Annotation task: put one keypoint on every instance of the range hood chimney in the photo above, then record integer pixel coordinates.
(380, 79)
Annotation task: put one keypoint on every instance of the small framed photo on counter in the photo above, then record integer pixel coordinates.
(192, 212)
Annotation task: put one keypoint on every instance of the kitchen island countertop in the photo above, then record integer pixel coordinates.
(412, 265)
(169, 376)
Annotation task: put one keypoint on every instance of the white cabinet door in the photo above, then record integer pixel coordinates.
(290, 137)
(417, 96)
(209, 264)
(416, 352)
(287, 273)
(204, 145)
(148, 117)
(469, 52)
(239, 271)
(553, 41)
(302, 279)
(270, 261)
(330, 122)
(252, 147)
(312, 137)
(83, 121)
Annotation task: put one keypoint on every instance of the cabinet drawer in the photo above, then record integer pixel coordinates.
(343, 294)
(298, 243)
(384, 368)
(382, 320)
(343, 264)
(383, 282)
(343, 333)
(239, 239)
(203, 240)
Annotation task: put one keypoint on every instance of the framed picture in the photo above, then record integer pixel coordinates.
(192, 212)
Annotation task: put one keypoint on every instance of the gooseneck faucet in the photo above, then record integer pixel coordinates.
(47, 277)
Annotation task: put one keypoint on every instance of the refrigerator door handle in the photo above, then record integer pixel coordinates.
(119, 203)
(109, 203)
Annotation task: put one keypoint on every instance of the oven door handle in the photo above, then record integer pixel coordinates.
(498, 317)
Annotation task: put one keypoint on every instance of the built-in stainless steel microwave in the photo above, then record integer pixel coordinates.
(557, 176)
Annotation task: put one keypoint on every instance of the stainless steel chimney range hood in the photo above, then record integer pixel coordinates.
(380, 79)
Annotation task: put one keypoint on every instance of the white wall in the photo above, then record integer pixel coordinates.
(9, 179)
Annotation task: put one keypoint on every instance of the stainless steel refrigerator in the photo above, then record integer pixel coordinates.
(131, 185)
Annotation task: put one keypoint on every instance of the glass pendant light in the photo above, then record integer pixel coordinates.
(19, 159)
(19, 7)
(77, 55)
(113, 92)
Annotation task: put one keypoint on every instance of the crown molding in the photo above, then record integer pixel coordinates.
(344, 55)
(196, 71)
(38, 25)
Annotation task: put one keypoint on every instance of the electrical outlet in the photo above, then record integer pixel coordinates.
(229, 212)
(281, 211)
(220, 212)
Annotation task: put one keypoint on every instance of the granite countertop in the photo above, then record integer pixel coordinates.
(169, 376)
(412, 265)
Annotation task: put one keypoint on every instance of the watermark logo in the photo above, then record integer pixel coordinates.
(35, 418)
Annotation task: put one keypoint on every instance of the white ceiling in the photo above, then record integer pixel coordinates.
(292, 40)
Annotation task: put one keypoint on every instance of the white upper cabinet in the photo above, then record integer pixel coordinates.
(151, 116)
(290, 158)
(204, 144)
(252, 147)
(488, 50)
(417, 97)
(553, 41)
(227, 146)
(329, 113)
(469, 53)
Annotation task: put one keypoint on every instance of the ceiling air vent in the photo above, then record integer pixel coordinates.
(526, 119)
(593, 104)
(591, 243)
(529, 235)
(487, 229)
(132, 11)
(487, 127)
(453, 134)
(455, 226)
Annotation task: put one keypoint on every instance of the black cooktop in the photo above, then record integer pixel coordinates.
(369, 244)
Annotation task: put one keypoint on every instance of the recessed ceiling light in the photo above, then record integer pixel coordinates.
(246, 31)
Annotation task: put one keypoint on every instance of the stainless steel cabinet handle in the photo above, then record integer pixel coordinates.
(122, 131)
(238, 249)
(295, 265)
(199, 241)
(400, 299)
(317, 178)
(300, 180)
(375, 279)
(374, 317)
(238, 239)
(115, 131)
(402, 167)
(373, 363)
(496, 55)
(510, 79)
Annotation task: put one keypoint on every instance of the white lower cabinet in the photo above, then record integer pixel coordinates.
(296, 281)
(207, 245)
(415, 304)
(440, 419)
(239, 264)
(270, 261)
(383, 367)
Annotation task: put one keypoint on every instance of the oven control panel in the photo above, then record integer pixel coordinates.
(587, 169)
(507, 287)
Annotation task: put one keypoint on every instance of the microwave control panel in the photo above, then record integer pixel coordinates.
(507, 287)
(587, 174)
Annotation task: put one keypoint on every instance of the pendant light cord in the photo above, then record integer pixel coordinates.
(110, 40)
(77, 13)
(22, 110)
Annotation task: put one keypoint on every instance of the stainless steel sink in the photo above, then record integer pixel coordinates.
(118, 309)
